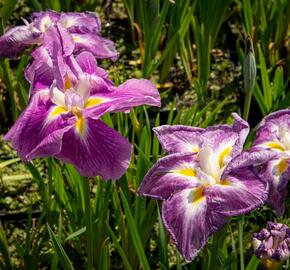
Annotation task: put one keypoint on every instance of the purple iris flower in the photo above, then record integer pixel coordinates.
(272, 245)
(63, 119)
(80, 29)
(205, 179)
(273, 134)
(55, 59)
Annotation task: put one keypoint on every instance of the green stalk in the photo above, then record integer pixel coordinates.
(241, 232)
(89, 228)
(214, 252)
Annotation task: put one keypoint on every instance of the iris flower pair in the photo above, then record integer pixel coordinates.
(69, 93)
(207, 178)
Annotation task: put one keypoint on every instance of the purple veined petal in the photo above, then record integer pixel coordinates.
(88, 64)
(95, 149)
(169, 175)
(190, 221)
(130, 94)
(58, 40)
(100, 47)
(64, 72)
(226, 139)
(15, 40)
(247, 159)
(238, 193)
(277, 173)
(273, 132)
(85, 22)
(41, 57)
(35, 127)
(179, 139)
(39, 73)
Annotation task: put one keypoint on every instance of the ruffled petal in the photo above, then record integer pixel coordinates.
(238, 193)
(101, 47)
(37, 125)
(247, 159)
(190, 221)
(130, 94)
(15, 40)
(272, 130)
(95, 149)
(84, 22)
(227, 140)
(179, 139)
(169, 175)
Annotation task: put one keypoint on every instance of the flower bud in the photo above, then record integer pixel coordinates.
(272, 245)
(249, 68)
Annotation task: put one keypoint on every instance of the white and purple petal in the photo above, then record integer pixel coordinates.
(190, 221)
(179, 139)
(274, 131)
(229, 138)
(43, 20)
(169, 175)
(277, 173)
(238, 193)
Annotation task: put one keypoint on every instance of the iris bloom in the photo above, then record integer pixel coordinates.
(82, 29)
(274, 134)
(205, 179)
(272, 245)
(54, 59)
(63, 120)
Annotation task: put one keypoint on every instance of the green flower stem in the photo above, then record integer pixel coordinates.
(247, 105)
(89, 228)
(241, 232)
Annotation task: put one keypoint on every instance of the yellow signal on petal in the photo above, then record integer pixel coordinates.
(198, 195)
(57, 110)
(81, 126)
(92, 102)
(282, 166)
(195, 150)
(186, 172)
(68, 84)
(276, 146)
(225, 183)
(226, 152)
